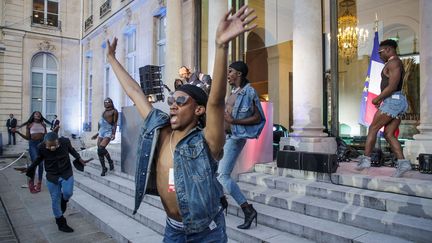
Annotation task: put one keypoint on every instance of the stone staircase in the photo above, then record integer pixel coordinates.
(292, 206)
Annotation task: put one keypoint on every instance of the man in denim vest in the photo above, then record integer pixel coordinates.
(177, 153)
(244, 118)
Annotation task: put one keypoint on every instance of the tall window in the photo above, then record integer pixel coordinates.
(131, 53)
(44, 85)
(161, 41)
(88, 116)
(46, 12)
(106, 88)
(131, 58)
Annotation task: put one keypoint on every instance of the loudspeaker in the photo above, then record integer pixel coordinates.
(289, 159)
(319, 162)
(151, 82)
(425, 163)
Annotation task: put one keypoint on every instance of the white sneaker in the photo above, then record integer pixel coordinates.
(365, 162)
(403, 165)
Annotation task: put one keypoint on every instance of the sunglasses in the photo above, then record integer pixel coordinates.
(180, 100)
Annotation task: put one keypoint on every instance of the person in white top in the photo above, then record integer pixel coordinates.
(35, 132)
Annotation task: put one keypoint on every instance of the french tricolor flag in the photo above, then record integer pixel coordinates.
(372, 86)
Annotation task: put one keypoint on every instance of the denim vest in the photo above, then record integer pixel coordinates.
(197, 188)
(243, 108)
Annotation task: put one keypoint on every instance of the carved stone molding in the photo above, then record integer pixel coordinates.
(128, 15)
(46, 46)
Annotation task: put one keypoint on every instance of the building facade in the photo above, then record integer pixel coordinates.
(288, 55)
(40, 60)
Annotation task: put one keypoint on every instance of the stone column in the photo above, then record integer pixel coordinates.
(308, 104)
(422, 142)
(216, 10)
(173, 54)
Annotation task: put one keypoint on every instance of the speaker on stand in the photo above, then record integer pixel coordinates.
(151, 83)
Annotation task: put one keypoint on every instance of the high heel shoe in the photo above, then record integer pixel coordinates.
(104, 171)
(250, 214)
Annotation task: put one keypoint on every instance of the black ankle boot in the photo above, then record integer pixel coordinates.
(63, 204)
(104, 171)
(110, 161)
(250, 214)
(62, 225)
(104, 168)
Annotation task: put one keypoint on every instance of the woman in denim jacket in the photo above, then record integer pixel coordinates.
(244, 118)
(176, 156)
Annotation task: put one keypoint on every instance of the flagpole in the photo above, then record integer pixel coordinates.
(334, 67)
(376, 22)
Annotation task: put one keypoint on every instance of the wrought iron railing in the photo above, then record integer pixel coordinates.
(105, 8)
(88, 23)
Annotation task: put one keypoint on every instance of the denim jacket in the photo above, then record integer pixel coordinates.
(243, 108)
(197, 188)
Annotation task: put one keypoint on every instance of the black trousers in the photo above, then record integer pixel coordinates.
(11, 136)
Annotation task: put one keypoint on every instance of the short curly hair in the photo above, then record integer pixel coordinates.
(389, 42)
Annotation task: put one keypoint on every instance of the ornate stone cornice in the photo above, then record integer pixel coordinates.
(46, 46)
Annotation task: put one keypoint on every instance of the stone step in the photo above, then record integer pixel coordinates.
(390, 223)
(120, 183)
(287, 223)
(152, 215)
(404, 186)
(409, 205)
(113, 149)
(316, 229)
(121, 227)
(95, 164)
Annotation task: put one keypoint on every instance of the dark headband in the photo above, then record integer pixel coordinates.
(241, 67)
(195, 92)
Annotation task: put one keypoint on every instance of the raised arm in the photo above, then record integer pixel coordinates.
(229, 28)
(130, 86)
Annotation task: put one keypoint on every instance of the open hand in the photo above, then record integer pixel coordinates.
(232, 26)
(84, 162)
(376, 102)
(111, 47)
(228, 118)
(21, 169)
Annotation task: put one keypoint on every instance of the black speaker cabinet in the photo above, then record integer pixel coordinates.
(425, 163)
(289, 159)
(319, 162)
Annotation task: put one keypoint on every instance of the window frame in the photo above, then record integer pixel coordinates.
(46, 14)
(161, 42)
(44, 85)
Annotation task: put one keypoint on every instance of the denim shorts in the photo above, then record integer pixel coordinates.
(105, 133)
(394, 105)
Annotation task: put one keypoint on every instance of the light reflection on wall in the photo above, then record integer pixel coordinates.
(258, 150)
